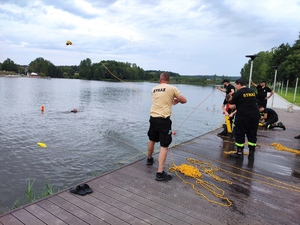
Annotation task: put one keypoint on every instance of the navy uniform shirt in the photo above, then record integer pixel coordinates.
(245, 101)
(262, 92)
(229, 88)
(270, 113)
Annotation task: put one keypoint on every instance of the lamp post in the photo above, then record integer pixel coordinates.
(287, 86)
(274, 85)
(252, 57)
(296, 86)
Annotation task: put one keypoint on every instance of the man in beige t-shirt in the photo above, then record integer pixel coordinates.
(160, 130)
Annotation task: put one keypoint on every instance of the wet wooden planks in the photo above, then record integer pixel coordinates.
(262, 192)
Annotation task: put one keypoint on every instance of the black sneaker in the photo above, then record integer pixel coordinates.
(163, 176)
(297, 137)
(150, 161)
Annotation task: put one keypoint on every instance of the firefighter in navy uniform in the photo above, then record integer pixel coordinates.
(246, 119)
(262, 93)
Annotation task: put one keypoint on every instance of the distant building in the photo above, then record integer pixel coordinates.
(32, 74)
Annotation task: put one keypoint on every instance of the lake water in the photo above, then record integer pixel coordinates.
(109, 130)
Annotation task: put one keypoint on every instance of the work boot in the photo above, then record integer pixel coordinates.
(281, 125)
(224, 132)
(251, 153)
(239, 153)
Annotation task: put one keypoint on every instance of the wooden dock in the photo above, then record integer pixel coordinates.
(264, 192)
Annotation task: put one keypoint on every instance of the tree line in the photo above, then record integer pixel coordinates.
(104, 70)
(285, 58)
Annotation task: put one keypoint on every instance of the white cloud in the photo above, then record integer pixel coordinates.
(188, 37)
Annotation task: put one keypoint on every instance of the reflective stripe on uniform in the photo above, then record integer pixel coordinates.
(239, 144)
(251, 143)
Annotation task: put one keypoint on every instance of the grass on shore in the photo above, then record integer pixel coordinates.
(290, 96)
(33, 196)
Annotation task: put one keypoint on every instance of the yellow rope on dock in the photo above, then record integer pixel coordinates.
(187, 170)
(193, 170)
(232, 152)
(281, 147)
(276, 183)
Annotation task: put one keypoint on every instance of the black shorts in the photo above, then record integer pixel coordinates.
(160, 130)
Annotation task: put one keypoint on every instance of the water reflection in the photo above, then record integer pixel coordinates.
(85, 97)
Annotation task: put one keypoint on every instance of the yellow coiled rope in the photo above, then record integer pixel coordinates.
(193, 170)
(187, 170)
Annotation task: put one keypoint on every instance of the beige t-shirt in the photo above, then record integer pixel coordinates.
(162, 98)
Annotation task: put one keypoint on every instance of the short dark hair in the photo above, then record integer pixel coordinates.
(226, 80)
(227, 97)
(240, 81)
(260, 106)
(165, 76)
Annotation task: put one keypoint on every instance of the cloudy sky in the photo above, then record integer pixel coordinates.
(189, 37)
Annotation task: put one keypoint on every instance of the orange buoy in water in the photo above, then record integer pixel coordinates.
(42, 108)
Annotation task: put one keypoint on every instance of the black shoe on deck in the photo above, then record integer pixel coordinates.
(150, 161)
(251, 156)
(237, 155)
(297, 137)
(163, 176)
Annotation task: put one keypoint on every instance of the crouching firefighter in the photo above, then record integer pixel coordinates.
(246, 119)
(229, 116)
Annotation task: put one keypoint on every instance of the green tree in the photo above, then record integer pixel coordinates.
(85, 69)
(9, 65)
(279, 56)
(261, 65)
(44, 68)
(66, 71)
(22, 69)
(291, 66)
(285, 57)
